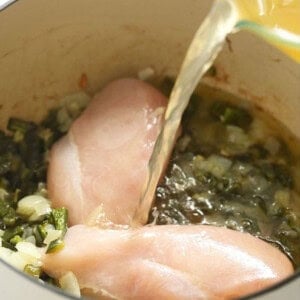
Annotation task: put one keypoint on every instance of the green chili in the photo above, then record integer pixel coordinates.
(55, 246)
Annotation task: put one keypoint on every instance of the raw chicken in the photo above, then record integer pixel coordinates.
(98, 169)
(168, 262)
(97, 172)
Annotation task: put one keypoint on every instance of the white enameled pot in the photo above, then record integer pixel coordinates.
(46, 46)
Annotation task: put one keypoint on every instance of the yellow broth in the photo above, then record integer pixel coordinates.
(233, 166)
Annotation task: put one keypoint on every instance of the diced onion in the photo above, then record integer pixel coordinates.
(3, 193)
(26, 253)
(73, 106)
(33, 207)
(31, 239)
(64, 120)
(216, 165)
(146, 73)
(76, 103)
(69, 284)
(52, 234)
(237, 137)
(30, 252)
(12, 258)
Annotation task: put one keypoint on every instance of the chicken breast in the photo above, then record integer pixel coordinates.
(168, 262)
(99, 167)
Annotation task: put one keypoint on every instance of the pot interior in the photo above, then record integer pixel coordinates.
(46, 46)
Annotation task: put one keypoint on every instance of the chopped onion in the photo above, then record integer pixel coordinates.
(237, 137)
(216, 165)
(69, 284)
(73, 106)
(146, 73)
(64, 119)
(33, 207)
(31, 239)
(52, 234)
(3, 193)
(29, 252)
(12, 258)
(76, 103)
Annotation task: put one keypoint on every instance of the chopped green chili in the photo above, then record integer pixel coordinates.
(33, 270)
(55, 246)
(231, 115)
(23, 166)
(10, 233)
(60, 219)
(15, 124)
(221, 174)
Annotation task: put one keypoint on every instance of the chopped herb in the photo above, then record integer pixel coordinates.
(220, 174)
(11, 233)
(55, 246)
(60, 218)
(231, 115)
(32, 270)
(22, 126)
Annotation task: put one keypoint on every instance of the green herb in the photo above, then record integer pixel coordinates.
(60, 219)
(231, 115)
(220, 174)
(15, 240)
(15, 124)
(23, 167)
(11, 233)
(55, 246)
(32, 270)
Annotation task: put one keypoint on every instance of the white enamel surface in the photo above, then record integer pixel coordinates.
(5, 3)
(45, 46)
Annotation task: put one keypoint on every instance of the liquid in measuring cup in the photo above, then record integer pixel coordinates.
(275, 20)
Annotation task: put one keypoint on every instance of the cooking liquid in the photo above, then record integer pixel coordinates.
(280, 20)
(224, 17)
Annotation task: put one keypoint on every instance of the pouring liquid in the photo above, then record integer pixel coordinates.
(277, 21)
(225, 17)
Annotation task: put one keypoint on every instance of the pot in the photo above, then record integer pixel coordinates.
(46, 47)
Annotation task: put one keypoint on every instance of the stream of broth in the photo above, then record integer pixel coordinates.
(225, 17)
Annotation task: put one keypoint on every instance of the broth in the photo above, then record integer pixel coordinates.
(233, 166)
(282, 16)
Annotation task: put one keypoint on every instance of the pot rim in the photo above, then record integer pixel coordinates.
(292, 278)
(5, 3)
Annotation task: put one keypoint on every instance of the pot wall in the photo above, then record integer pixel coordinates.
(47, 45)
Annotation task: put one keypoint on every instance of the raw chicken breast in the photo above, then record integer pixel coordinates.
(100, 166)
(168, 262)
